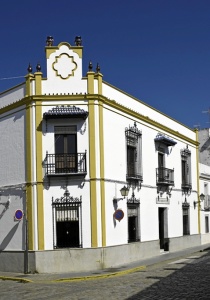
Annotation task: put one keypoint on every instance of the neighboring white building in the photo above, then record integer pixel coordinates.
(204, 173)
(69, 144)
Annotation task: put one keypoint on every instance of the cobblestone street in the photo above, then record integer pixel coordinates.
(181, 278)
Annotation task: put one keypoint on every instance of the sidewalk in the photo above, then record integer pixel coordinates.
(111, 272)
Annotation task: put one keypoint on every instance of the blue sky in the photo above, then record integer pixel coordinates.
(156, 50)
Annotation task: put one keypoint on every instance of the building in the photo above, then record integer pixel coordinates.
(70, 145)
(204, 173)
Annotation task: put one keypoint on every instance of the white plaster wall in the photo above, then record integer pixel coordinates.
(12, 150)
(13, 238)
(115, 174)
(56, 190)
(144, 109)
(55, 186)
(204, 171)
(12, 95)
(117, 231)
(58, 85)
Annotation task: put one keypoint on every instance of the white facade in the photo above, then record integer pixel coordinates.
(81, 135)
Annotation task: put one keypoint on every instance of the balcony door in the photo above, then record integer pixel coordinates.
(65, 150)
(161, 166)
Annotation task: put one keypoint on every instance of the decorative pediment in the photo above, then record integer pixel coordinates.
(161, 138)
(65, 111)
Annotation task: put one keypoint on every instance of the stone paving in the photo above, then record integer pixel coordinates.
(185, 277)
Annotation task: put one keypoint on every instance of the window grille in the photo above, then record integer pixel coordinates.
(186, 170)
(67, 221)
(134, 154)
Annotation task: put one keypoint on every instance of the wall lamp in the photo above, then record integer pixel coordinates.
(124, 193)
(202, 197)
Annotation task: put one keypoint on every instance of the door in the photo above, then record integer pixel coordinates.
(67, 234)
(163, 228)
(66, 153)
(160, 167)
(132, 229)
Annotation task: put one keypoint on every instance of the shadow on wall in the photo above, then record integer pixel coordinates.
(205, 145)
(8, 237)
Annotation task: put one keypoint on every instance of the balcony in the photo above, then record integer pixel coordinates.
(164, 176)
(66, 164)
(186, 185)
(132, 177)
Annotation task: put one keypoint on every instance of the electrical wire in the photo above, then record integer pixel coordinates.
(11, 77)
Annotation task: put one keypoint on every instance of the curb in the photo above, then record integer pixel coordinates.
(115, 274)
(23, 280)
(91, 277)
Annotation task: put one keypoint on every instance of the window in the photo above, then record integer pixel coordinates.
(67, 221)
(134, 152)
(65, 149)
(206, 224)
(186, 170)
(186, 220)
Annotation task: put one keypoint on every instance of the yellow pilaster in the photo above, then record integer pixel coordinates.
(92, 168)
(99, 76)
(103, 205)
(29, 195)
(28, 78)
(39, 176)
(90, 82)
(38, 83)
(198, 183)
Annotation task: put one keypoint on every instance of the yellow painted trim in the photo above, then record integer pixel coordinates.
(90, 82)
(50, 50)
(136, 99)
(56, 61)
(28, 77)
(103, 204)
(78, 50)
(39, 177)
(145, 119)
(99, 77)
(29, 194)
(198, 185)
(110, 103)
(92, 168)
(64, 44)
(38, 83)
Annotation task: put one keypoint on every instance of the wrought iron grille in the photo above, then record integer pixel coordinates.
(164, 176)
(67, 211)
(134, 153)
(66, 163)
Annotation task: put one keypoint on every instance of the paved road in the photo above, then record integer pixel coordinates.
(181, 278)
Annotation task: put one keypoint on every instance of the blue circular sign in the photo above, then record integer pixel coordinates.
(18, 214)
(119, 214)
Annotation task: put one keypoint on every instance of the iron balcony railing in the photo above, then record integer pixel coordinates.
(186, 184)
(164, 176)
(74, 163)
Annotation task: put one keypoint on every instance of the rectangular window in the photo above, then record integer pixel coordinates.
(134, 153)
(206, 224)
(65, 149)
(186, 170)
(186, 224)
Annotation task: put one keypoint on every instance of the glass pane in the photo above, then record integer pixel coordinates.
(71, 143)
(59, 143)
